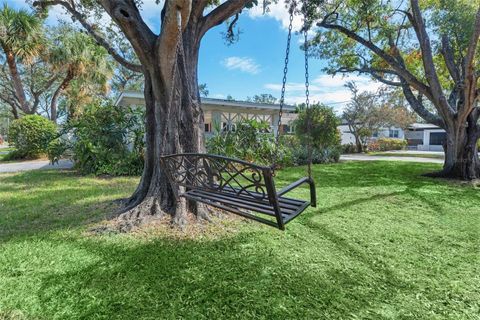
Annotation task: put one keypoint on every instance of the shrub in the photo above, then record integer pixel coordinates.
(30, 136)
(349, 148)
(106, 140)
(250, 141)
(319, 156)
(317, 126)
(386, 144)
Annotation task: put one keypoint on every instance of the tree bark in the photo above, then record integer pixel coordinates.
(17, 82)
(54, 102)
(461, 152)
(173, 124)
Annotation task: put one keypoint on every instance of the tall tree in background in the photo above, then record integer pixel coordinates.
(79, 59)
(427, 49)
(40, 65)
(21, 41)
(168, 61)
(266, 98)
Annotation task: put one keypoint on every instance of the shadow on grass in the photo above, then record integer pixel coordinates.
(231, 278)
(37, 202)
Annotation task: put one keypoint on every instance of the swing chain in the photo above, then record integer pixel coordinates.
(307, 92)
(284, 85)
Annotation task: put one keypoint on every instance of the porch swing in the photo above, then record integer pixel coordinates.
(240, 187)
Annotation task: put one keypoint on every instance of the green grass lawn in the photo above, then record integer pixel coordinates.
(383, 243)
(4, 152)
(412, 155)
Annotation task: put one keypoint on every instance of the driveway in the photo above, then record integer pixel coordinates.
(34, 165)
(361, 157)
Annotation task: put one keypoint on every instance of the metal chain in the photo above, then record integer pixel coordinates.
(284, 85)
(307, 94)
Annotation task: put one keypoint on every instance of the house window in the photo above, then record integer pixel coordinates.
(208, 127)
(374, 135)
(393, 133)
(287, 128)
(437, 138)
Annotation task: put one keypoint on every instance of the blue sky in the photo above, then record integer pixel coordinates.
(253, 65)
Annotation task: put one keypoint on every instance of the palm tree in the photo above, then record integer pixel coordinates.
(21, 39)
(81, 60)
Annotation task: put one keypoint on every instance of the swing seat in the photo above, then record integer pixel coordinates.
(235, 186)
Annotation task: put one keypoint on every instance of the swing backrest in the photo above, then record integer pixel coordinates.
(214, 173)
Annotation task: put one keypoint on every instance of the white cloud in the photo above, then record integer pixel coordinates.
(244, 64)
(279, 12)
(325, 89)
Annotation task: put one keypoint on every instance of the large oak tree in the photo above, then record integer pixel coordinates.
(168, 61)
(427, 48)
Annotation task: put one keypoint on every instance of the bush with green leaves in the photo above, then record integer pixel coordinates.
(31, 135)
(317, 126)
(107, 140)
(349, 148)
(250, 141)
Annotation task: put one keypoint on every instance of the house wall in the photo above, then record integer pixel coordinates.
(426, 146)
(347, 137)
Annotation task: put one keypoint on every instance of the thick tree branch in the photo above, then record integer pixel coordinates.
(470, 77)
(427, 58)
(375, 73)
(90, 29)
(177, 14)
(449, 58)
(222, 13)
(394, 64)
(418, 106)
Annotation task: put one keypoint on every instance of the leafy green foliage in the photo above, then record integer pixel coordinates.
(20, 33)
(266, 98)
(31, 135)
(107, 140)
(250, 141)
(317, 126)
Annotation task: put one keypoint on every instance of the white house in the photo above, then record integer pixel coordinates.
(419, 136)
(227, 112)
(348, 137)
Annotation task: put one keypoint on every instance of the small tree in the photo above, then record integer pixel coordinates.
(317, 126)
(368, 112)
(363, 115)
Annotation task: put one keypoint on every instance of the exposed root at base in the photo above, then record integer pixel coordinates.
(150, 212)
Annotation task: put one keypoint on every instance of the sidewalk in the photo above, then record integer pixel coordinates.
(34, 165)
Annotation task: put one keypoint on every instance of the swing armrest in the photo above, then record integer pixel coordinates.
(296, 184)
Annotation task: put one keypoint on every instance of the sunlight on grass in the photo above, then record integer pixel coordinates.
(383, 243)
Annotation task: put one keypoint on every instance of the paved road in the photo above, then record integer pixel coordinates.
(361, 157)
(34, 165)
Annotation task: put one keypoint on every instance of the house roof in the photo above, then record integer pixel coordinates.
(129, 98)
(422, 126)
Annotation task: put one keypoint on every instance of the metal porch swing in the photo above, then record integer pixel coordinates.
(240, 187)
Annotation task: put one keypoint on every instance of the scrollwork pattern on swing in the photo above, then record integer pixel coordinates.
(216, 174)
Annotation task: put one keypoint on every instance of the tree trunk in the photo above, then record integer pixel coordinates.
(53, 104)
(174, 124)
(359, 144)
(17, 82)
(461, 153)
